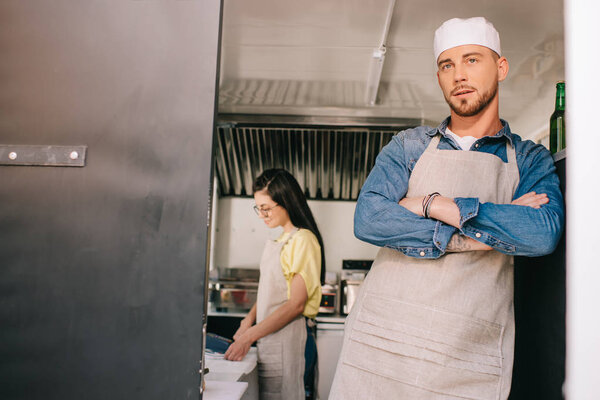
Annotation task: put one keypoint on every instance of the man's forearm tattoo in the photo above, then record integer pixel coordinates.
(459, 242)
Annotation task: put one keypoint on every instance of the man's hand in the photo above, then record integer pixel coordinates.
(442, 208)
(415, 204)
(445, 210)
(531, 199)
(239, 348)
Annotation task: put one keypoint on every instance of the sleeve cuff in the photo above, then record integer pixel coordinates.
(442, 235)
(468, 208)
(419, 252)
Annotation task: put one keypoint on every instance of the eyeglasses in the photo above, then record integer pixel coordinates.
(264, 211)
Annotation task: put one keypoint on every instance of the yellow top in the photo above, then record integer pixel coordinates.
(302, 255)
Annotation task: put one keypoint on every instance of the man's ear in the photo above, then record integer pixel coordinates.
(502, 68)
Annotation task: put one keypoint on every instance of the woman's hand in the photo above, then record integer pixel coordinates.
(239, 348)
(244, 326)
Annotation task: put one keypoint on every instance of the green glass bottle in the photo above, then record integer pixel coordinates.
(558, 140)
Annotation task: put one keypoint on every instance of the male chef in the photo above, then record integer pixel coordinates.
(450, 207)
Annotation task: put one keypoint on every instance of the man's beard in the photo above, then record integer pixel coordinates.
(465, 110)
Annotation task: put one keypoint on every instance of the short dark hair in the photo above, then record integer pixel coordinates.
(284, 189)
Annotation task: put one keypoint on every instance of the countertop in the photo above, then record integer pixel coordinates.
(233, 370)
(227, 313)
(223, 376)
(217, 390)
(331, 318)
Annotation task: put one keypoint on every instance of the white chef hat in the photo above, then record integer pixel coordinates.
(459, 31)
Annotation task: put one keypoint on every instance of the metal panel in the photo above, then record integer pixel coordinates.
(102, 268)
(43, 156)
(330, 163)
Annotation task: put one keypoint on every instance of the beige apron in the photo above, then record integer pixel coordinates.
(443, 328)
(280, 354)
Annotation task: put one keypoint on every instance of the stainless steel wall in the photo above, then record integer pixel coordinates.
(330, 159)
(102, 267)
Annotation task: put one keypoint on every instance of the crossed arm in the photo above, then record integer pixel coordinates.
(445, 209)
(530, 226)
(249, 333)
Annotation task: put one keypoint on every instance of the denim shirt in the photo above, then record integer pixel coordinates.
(510, 229)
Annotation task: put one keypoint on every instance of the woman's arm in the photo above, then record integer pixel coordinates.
(272, 323)
(246, 323)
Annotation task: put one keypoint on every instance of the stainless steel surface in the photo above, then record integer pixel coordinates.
(235, 290)
(103, 267)
(329, 163)
(239, 274)
(233, 299)
(313, 57)
(350, 292)
(394, 123)
(43, 156)
(351, 279)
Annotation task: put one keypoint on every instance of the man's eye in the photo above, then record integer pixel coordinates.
(446, 66)
(472, 60)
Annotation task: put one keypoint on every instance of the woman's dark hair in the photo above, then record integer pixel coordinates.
(284, 189)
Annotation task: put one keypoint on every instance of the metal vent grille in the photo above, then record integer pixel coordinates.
(329, 163)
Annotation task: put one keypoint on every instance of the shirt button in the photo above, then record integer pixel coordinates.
(422, 254)
(476, 145)
(478, 235)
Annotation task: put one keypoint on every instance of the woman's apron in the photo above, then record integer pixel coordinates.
(280, 354)
(443, 328)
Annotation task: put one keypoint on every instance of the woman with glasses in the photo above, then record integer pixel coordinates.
(289, 292)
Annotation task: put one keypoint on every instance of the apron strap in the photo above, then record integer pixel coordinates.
(289, 237)
(432, 146)
(511, 155)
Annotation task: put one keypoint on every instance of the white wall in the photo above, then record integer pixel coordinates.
(583, 165)
(534, 122)
(240, 234)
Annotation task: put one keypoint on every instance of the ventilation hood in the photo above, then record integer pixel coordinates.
(330, 157)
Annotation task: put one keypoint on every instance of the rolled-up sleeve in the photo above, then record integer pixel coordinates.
(381, 221)
(514, 229)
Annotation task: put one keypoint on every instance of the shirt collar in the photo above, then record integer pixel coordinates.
(505, 131)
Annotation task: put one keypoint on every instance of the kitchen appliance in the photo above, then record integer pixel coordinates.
(353, 274)
(233, 289)
(330, 337)
(330, 293)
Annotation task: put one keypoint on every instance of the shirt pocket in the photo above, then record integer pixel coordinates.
(432, 349)
(270, 366)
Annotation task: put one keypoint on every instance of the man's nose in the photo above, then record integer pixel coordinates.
(460, 73)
